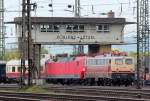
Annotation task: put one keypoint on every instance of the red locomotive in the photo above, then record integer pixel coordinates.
(65, 70)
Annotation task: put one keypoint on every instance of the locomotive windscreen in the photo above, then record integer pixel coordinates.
(129, 61)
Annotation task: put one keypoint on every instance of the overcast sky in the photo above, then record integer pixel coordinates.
(89, 8)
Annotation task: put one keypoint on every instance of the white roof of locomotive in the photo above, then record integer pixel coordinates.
(16, 62)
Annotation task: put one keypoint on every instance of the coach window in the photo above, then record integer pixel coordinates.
(9, 69)
(87, 62)
(118, 61)
(90, 62)
(100, 61)
(93, 62)
(6, 69)
(19, 69)
(13, 69)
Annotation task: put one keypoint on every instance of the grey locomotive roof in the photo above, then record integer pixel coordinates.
(73, 20)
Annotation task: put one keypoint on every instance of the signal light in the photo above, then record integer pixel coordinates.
(69, 6)
(50, 5)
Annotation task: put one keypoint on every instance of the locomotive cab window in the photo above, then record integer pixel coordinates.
(128, 61)
(118, 61)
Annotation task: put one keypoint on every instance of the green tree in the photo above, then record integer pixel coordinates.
(44, 51)
(12, 54)
(132, 54)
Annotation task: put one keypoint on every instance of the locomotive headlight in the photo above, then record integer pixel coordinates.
(83, 69)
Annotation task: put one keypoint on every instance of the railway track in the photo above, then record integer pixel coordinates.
(9, 86)
(131, 88)
(103, 91)
(109, 93)
(79, 93)
(11, 96)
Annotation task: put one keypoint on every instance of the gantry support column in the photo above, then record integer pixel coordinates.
(36, 59)
(37, 65)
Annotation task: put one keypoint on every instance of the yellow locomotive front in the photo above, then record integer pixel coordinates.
(123, 70)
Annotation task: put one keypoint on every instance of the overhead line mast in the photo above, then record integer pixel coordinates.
(26, 41)
(22, 46)
(142, 39)
(30, 60)
(77, 14)
(2, 33)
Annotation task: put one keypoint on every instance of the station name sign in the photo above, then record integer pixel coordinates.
(75, 37)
